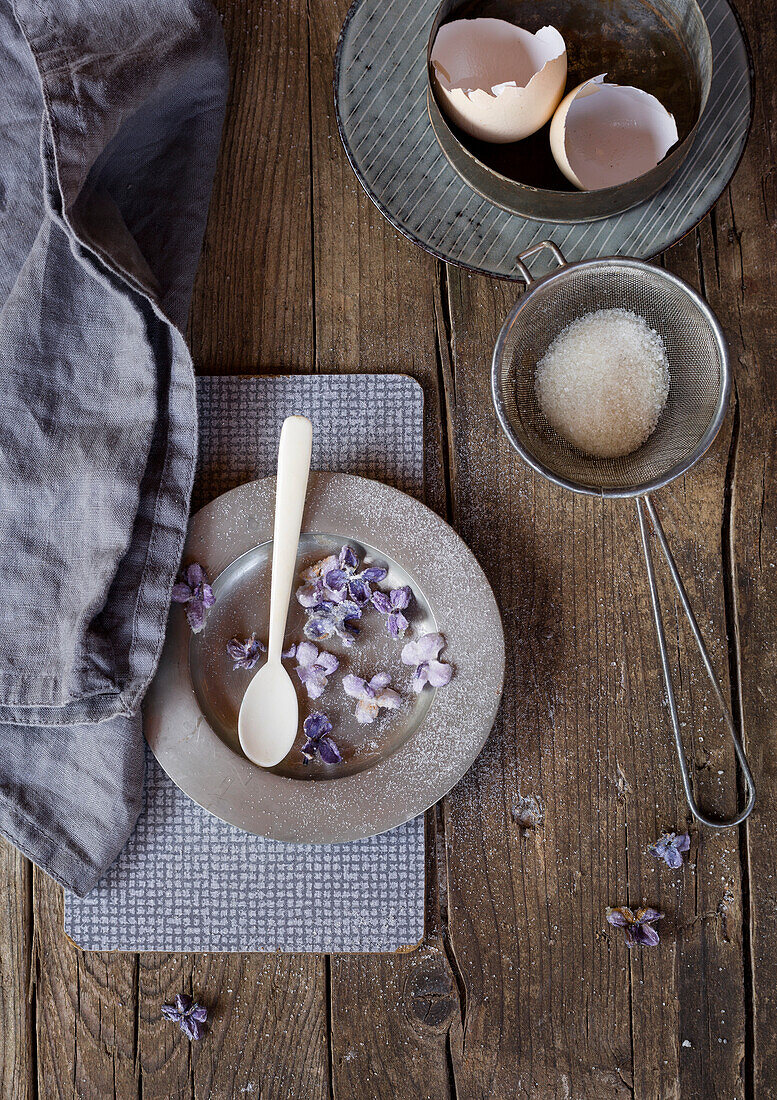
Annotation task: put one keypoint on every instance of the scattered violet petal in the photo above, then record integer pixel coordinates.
(422, 655)
(392, 604)
(290, 653)
(317, 728)
(346, 579)
(334, 620)
(314, 668)
(637, 925)
(195, 593)
(371, 697)
(670, 847)
(189, 1015)
(245, 653)
(314, 590)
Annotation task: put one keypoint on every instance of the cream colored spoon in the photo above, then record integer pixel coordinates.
(269, 714)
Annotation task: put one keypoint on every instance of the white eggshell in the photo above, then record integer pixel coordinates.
(497, 81)
(606, 134)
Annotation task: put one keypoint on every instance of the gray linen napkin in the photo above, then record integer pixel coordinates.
(109, 129)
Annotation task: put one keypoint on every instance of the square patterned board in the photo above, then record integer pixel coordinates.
(187, 881)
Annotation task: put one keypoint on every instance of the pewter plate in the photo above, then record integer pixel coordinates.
(392, 770)
(380, 91)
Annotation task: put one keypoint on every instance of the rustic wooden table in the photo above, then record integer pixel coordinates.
(519, 988)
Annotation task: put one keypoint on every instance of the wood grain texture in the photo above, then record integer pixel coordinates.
(86, 1009)
(252, 306)
(738, 259)
(555, 1004)
(17, 1034)
(375, 310)
(519, 989)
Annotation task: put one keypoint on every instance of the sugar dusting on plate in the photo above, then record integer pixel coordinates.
(603, 382)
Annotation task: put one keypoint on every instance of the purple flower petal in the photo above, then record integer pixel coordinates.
(380, 680)
(388, 699)
(328, 751)
(181, 592)
(382, 602)
(400, 597)
(183, 1002)
(195, 613)
(170, 1012)
(438, 674)
(199, 1013)
(336, 579)
(328, 662)
(195, 575)
(354, 686)
(359, 590)
(290, 653)
(648, 914)
(308, 751)
(642, 935)
(397, 624)
(208, 598)
(316, 725)
(374, 575)
(306, 654)
(618, 918)
(347, 558)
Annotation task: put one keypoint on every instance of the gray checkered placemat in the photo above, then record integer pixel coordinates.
(189, 882)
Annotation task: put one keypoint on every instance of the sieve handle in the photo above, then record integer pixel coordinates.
(644, 504)
(527, 253)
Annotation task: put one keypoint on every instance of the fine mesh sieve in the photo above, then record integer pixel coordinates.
(695, 409)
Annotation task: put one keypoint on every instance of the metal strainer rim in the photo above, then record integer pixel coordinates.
(679, 468)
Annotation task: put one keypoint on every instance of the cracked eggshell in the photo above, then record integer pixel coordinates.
(606, 134)
(497, 81)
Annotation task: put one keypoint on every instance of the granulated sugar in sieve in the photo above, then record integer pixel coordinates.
(604, 381)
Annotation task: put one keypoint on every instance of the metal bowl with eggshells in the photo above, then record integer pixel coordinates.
(659, 46)
(391, 770)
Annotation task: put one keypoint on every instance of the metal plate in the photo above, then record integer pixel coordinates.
(380, 96)
(394, 769)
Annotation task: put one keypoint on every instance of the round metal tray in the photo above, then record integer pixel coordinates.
(383, 116)
(393, 769)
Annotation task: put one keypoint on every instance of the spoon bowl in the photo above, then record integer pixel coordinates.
(269, 716)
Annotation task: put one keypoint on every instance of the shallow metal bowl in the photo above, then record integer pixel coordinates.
(663, 47)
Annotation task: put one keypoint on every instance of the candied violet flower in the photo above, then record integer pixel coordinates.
(314, 591)
(187, 1014)
(638, 926)
(670, 848)
(314, 668)
(333, 620)
(317, 728)
(245, 654)
(423, 655)
(195, 592)
(350, 582)
(372, 696)
(392, 604)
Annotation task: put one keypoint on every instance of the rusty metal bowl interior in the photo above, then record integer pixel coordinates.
(662, 47)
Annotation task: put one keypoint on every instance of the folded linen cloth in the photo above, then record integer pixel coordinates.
(109, 124)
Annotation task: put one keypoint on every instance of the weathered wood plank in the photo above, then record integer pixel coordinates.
(17, 1034)
(375, 310)
(86, 1010)
(739, 266)
(555, 1006)
(252, 307)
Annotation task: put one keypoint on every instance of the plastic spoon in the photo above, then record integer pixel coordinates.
(269, 714)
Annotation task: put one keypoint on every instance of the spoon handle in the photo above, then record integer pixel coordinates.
(293, 469)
